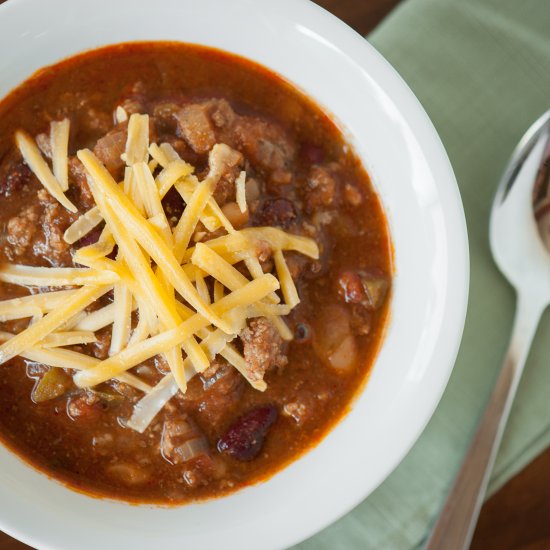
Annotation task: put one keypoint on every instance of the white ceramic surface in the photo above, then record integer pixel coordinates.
(411, 172)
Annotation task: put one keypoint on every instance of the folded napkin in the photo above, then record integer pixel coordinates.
(481, 70)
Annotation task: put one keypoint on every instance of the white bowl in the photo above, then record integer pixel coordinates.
(412, 174)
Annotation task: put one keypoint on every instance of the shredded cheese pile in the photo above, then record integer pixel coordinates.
(157, 271)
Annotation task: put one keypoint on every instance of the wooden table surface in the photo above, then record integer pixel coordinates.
(518, 516)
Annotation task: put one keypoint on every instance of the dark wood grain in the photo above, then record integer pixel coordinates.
(518, 516)
(361, 15)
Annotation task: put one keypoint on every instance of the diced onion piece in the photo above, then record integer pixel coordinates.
(333, 339)
(59, 143)
(344, 356)
(241, 191)
(120, 114)
(41, 170)
(149, 406)
(83, 225)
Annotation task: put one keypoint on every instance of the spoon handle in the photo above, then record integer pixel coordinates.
(455, 527)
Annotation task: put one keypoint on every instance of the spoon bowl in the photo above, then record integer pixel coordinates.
(515, 241)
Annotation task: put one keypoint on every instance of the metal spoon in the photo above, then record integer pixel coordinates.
(523, 259)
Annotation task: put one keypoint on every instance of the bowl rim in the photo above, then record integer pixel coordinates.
(357, 48)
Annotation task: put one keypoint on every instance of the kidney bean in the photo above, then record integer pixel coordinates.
(244, 439)
(362, 287)
(351, 287)
(90, 238)
(173, 205)
(312, 154)
(18, 175)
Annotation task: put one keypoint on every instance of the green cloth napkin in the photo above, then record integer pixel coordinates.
(481, 68)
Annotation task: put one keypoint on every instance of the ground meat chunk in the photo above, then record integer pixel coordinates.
(128, 473)
(221, 113)
(303, 407)
(222, 387)
(319, 189)
(296, 410)
(77, 179)
(266, 145)
(165, 110)
(263, 348)
(95, 122)
(100, 349)
(21, 230)
(110, 147)
(297, 263)
(182, 440)
(54, 221)
(352, 195)
(276, 212)
(195, 127)
(133, 98)
(15, 175)
(264, 255)
(226, 190)
(84, 406)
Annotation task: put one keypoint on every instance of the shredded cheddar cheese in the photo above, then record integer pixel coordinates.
(171, 299)
(83, 225)
(59, 142)
(32, 156)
